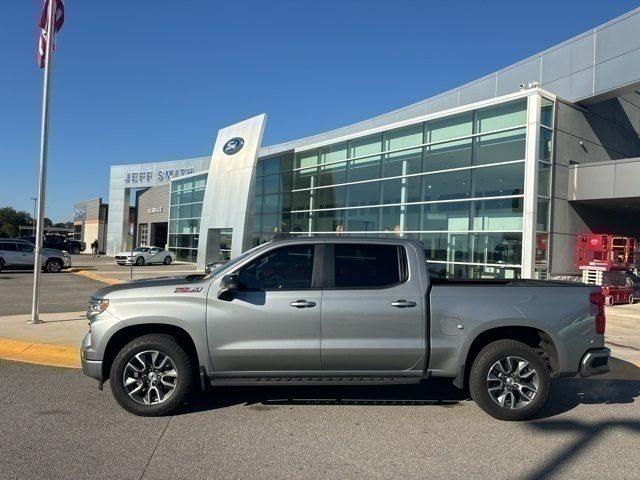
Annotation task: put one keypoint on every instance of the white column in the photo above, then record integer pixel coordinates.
(531, 186)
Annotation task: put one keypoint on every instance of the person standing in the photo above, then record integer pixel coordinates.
(95, 248)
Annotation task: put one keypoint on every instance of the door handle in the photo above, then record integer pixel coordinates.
(403, 304)
(302, 304)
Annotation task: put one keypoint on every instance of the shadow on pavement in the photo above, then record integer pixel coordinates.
(588, 434)
(565, 395)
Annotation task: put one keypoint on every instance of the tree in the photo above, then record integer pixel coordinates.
(10, 220)
(48, 222)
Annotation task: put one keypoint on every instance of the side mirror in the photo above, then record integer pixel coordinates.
(228, 285)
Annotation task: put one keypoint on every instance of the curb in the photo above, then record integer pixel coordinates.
(39, 353)
(95, 276)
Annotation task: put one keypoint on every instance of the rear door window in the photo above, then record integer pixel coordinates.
(23, 247)
(368, 266)
(8, 247)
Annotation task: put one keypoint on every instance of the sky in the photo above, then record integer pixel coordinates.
(154, 80)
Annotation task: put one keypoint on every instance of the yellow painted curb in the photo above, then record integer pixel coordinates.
(40, 353)
(95, 276)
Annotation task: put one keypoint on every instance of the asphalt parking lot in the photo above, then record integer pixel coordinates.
(60, 292)
(58, 425)
(68, 292)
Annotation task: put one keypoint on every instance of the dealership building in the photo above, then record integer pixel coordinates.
(496, 177)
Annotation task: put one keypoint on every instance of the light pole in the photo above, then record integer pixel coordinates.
(35, 202)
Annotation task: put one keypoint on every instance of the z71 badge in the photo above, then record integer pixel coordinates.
(187, 290)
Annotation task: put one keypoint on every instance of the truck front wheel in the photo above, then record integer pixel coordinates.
(509, 380)
(151, 375)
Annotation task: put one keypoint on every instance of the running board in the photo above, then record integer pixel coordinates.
(298, 381)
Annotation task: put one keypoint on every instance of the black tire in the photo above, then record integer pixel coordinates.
(140, 261)
(75, 249)
(479, 382)
(53, 266)
(167, 345)
(1, 264)
(167, 260)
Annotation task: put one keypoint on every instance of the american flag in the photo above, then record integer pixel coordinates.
(58, 16)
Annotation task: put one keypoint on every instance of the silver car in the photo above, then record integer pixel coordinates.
(18, 254)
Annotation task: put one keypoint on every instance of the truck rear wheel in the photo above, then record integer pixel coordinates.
(151, 375)
(509, 380)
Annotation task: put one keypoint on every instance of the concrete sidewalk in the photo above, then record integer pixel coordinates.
(55, 342)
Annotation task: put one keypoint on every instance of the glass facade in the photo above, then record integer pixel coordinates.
(187, 195)
(456, 183)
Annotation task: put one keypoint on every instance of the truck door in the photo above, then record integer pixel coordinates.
(372, 309)
(272, 323)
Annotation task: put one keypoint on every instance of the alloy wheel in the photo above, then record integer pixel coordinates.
(150, 377)
(512, 382)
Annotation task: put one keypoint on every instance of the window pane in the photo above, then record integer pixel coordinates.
(270, 204)
(302, 200)
(499, 147)
(198, 195)
(330, 221)
(403, 137)
(286, 162)
(446, 216)
(363, 194)
(366, 146)
(543, 215)
(365, 266)
(306, 159)
(401, 190)
(305, 178)
(498, 214)
(544, 178)
(287, 268)
(545, 144)
(499, 180)
(301, 222)
(364, 169)
(402, 163)
(271, 166)
(259, 183)
(435, 245)
(271, 184)
(332, 174)
(333, 197)
(497, 248)
(362, 220)
(391, 219)
(546, 113)
(447, 186)
(542, 248)
(450, 127)
(502, 116)
(333, 153)
(442, 156)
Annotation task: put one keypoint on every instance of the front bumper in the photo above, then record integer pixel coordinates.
(595, 362)
(91, 368)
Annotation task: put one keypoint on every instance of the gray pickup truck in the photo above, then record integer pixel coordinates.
(318, 311)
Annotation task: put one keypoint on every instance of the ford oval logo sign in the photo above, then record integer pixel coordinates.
(233, 146)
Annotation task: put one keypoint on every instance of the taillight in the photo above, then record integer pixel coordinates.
(601, 320)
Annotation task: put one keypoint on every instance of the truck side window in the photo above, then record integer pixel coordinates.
(286, 268)
(363, 266)
(8, 247)
(23, 247)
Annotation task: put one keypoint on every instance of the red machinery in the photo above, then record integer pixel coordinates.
(604, 261)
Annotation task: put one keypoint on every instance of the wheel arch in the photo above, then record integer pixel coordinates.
(536, 338)
(124, 335)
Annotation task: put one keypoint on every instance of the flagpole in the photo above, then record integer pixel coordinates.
(44, 134)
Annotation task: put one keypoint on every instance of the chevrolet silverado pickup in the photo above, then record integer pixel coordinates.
(319, 311)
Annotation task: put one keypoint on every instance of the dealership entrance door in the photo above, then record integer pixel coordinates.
(159, 234)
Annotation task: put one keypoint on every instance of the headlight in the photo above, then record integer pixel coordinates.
(65, 253)
(97, 305)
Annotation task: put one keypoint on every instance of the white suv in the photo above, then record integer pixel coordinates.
(18, 254)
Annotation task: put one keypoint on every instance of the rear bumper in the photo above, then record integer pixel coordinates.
(595, 362)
